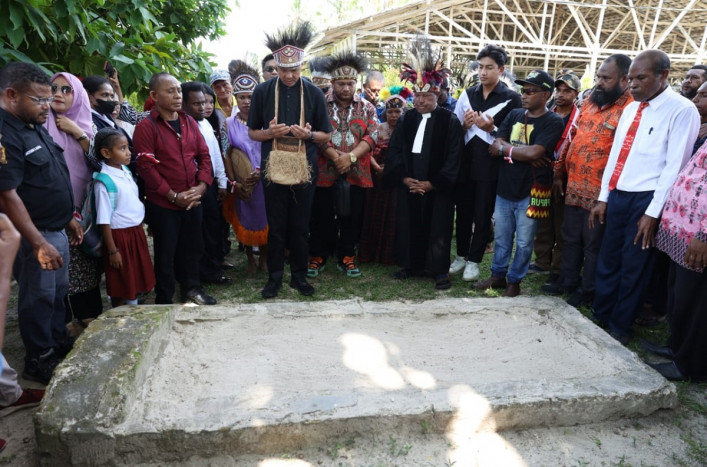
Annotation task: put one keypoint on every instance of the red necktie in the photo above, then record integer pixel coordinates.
(626, 147)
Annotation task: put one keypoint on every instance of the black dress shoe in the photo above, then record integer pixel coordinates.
(221, 280)
(302, 287)
(669, 370)
(226, 265)
(660, 350)
(271, 289)
(199, 297)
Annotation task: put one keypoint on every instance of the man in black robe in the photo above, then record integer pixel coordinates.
(422, 164)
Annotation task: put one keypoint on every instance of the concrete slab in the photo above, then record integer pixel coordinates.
(169, 383)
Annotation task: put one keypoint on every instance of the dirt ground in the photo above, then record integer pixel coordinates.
(666, 438)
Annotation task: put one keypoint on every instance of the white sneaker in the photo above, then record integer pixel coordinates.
(471, 271)
(457, 265)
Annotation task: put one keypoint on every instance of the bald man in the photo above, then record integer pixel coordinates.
(653, 141)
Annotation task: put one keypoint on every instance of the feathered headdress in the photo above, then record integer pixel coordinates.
(346, 65)
(243, 76)
(424, 72)
(320, 76)
(288, 44)
(396, 97)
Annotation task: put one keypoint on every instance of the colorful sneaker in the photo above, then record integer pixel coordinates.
(29, 398)
(348, 266)
(316, 265)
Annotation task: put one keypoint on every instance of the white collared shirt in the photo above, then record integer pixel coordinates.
(663, 145)
(129, 210)
(215, 152)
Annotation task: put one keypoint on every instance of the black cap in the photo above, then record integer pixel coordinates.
(538, 78)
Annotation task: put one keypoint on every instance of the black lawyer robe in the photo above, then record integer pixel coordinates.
(425, 222)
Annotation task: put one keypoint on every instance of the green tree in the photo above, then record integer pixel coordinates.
(139, 37)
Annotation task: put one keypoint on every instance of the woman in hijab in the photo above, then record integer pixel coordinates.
(71, 126)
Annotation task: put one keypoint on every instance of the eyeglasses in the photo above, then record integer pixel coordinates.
(269, 69)
(64, 89)
(41, 100)
(530, 92)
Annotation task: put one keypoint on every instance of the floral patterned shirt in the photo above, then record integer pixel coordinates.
(353, 124)
(582, 161)
(685, 211)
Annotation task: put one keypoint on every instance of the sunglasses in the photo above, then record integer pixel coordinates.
(64, 89)
(530, 92)
(269, 69)
(41, 100)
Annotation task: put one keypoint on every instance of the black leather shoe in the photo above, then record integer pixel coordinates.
(557, 289)
(669, 370)
(302, 287)
(199, 297)
(221, 280)
(271, 289)
(660, 350)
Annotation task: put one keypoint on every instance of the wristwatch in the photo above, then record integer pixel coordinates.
(353, 157)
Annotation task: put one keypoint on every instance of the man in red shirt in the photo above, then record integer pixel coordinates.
(174, 162)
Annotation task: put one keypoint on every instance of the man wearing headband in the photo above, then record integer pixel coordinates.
(221, 84)
(346, 156)
(288, 207)
(422, 164)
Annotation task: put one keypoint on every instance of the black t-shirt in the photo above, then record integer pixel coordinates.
(262, 111)
(479, 165)
(37, 170)
(515, 180)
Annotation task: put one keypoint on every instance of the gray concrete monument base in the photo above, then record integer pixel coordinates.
(166, 383)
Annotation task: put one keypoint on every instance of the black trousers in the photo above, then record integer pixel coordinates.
(288, 210)
(330, 234)
(475, 202)
(687, 303)
(178, 246)
(212, 233)
(580, 248)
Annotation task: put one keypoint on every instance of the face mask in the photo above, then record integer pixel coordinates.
(105, 107)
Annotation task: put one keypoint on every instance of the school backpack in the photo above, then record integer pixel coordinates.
(92, 239)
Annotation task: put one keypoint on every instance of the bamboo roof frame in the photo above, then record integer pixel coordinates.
(545, 34)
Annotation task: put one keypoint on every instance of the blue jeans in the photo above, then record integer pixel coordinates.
(510, 220)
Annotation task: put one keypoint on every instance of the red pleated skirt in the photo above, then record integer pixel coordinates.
(136, 274)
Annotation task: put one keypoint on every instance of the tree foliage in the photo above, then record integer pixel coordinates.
(139, 37)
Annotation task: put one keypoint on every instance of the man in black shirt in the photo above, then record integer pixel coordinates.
(35, 193)
(481, 109)
(526, 140)
(288, 207)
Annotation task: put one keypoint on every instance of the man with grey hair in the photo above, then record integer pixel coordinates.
(653, 141)
(375, 82)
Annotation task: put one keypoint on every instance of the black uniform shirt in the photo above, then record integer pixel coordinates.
(37, 170)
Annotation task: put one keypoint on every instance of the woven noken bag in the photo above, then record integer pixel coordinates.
(287, 163)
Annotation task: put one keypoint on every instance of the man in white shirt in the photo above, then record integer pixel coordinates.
(193, 103)
(648, 152)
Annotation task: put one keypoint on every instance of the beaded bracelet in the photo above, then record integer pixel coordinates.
(114, 252)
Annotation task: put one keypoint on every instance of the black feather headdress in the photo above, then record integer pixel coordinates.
(346, 65)
(288, 44)
(318, 67)
(424, 71)
(244, 77)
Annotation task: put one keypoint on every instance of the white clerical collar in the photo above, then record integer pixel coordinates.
(420, 135)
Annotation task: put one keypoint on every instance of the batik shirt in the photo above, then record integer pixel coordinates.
(353, 124)
(582, 162)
